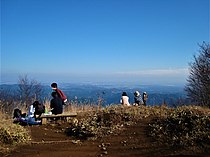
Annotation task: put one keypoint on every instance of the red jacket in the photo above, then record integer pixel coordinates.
(61, 94)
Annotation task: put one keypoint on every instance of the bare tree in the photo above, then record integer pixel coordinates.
(198, 82)
(29, 90)
(7, 100)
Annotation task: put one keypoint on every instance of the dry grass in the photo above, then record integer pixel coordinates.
(74, 107)
(11, 134)
(187, 126)
(94, 121)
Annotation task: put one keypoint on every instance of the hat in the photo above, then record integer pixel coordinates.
(124, 94)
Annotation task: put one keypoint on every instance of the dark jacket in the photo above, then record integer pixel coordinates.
(138, 100)
(56, 104)
(39, 108)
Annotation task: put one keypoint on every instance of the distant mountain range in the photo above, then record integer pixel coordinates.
(111, 93)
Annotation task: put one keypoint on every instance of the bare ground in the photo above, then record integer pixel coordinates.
(50, 140)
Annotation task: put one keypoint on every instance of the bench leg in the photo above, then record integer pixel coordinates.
(44, 120)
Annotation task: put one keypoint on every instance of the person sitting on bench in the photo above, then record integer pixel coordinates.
(39, 109)
(56, 104)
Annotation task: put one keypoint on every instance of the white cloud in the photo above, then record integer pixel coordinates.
(155, 76)
(157, 72)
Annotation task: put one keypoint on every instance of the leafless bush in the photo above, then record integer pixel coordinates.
(198, 86)
(29, 90)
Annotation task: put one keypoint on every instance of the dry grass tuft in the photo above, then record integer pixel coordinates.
(181, 126)
(95, 122)
(11, 134)
(186, 126)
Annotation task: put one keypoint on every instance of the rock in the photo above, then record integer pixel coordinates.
(105, 152)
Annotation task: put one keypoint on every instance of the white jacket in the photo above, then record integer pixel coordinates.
(125, 100)
(31, 111)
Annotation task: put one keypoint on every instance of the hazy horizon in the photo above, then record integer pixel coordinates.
(140, 80)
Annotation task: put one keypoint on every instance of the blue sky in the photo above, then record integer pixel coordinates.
(137, 41)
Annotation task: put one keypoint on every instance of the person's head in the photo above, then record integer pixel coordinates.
(36, 103)
(124, 94)
(136, 93)
(54, 94)
(54, 85)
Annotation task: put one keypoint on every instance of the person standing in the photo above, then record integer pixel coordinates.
(125, 99)
(60, 93)
(145, 97)
(56, 104)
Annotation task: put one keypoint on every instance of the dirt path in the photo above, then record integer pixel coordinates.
(50, 140)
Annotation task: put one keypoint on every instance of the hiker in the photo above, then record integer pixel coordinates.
(59, 92)
(17, 114)
(18, 117)
(31, 111)
(138, 99)
(39, 109)
(145, 97)
(56, 104)
(24, 119)
(31, 120)
(125, 99)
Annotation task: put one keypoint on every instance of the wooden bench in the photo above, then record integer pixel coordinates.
(65, 117)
